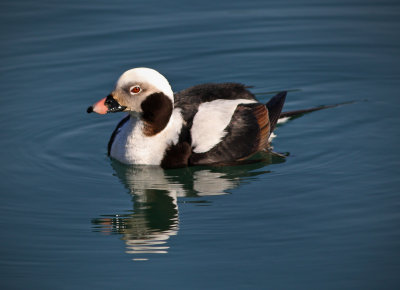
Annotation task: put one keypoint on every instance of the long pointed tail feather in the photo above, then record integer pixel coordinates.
(298, 113)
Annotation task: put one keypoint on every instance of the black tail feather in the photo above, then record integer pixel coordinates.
(274, 107)
(298, 113)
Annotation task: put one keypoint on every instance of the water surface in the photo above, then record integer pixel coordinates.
(325, 217)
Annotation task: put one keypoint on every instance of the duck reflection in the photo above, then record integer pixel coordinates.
(154, 219)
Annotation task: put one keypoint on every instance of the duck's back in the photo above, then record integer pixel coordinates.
(190, 99)
(224, 122)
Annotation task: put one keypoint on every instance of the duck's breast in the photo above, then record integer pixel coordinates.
(132, 146)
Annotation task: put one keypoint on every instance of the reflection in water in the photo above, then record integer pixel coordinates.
(154, 218)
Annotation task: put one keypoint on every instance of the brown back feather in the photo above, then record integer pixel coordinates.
(261, 114)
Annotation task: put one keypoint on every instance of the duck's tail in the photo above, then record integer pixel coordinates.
(276, 115)
(274, 107)
(298, 113)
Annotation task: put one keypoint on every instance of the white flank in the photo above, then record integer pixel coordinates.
(131, 146)
(210, 122)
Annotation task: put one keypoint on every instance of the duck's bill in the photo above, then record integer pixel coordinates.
(106, 105)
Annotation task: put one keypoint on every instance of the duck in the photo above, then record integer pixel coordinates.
(206, 124)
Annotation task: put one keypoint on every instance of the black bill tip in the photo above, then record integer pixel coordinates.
(90, 109)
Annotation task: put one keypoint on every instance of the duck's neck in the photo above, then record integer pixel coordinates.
(156, 113)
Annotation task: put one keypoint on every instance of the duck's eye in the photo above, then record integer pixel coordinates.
(135, 90)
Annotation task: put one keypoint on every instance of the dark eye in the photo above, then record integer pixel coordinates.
(135, 90)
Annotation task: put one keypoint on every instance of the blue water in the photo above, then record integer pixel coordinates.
(325, 217)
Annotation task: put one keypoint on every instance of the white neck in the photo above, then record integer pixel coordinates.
(132, 146)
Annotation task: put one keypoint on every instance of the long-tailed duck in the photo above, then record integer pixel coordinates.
(204, 124)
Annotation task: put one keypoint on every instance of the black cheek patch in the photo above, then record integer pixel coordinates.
(157, 110)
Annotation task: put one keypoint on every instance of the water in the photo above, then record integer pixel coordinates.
(325, 217)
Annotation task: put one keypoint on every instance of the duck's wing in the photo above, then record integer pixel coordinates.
(246, 134)
(191, 98)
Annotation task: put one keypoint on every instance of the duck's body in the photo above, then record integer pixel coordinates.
(205, 124)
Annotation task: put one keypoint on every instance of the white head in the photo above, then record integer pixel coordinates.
(144, 91)
(152, 80)
(135, 85)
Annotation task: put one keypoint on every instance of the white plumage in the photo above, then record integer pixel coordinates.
(210, 122)
(131, 146)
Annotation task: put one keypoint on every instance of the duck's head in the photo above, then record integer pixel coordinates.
(135, 91)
